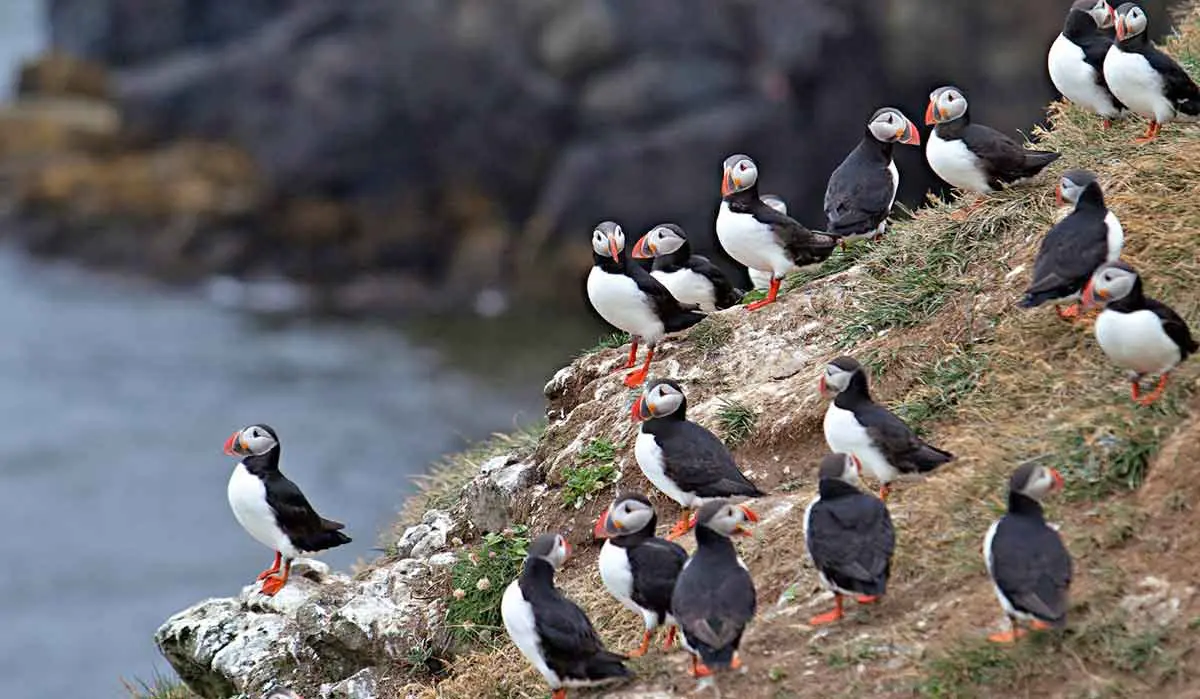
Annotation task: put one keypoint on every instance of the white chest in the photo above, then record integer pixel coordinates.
(1136, 341)
(845, 435)
(617, 574)
(618, 300)
(955, 163)
(1076, 80)
(751, 243)
(522, 629)
(248, 500)
(650, 459)
(1115, 236)
(689, 287)
(1135, 82)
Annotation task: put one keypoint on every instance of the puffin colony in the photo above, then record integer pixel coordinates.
(1103, 62)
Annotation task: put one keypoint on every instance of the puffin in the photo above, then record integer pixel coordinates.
(692, 279)
(714, 597)
(682, 459)
(862, 190)
(857, 425)
(630, 298)
(849, 536)
(1076, 59)
(1138, 333)
(638, 568)
(1029, 566)
(1088, 237)
(758, 278)
(1147, 80)
(271, 508)
(971, 156)
(757, 235)
(551, 631)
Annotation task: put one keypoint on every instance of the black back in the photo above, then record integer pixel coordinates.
(674, 315)
(1030, 564)
(570, 644)
(695, 459)
(850, 538)
(903, 449)
(682, 258)
(714, 599)
(655, 564)
(307, 530)
(859, 194)
(1004, 160)
(1071, 250)
(1178, 86)
(802, 245)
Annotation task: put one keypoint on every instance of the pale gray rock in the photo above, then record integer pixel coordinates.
(488, 499)
(362, 685)
(422, 540)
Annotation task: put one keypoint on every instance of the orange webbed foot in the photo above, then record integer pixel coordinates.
(635, 379)
(1009, 636)
(759, 304)
(273, 585)
(558, 694)
(699, 670)
(884, 491)
(1153, 395)
(1068, 312)
(826, 618)
(642, 649)
(1037, 625)
(670, 639)
(867, 599)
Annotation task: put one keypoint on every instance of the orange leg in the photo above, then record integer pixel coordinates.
(273, 569)
(1153, 395)
(831, 616)
(682, 526)
(699, 669)
(642, 649)
(772, 292)
(635, 379)
(965, 212)
(1009, 636)
(1068, 312)
(1151, 133)
(559, 694)
(670, 639)
(867, 599)
(1106, 124)
(1039, 625)
(632, 355)
(275, 583)
(884, 491)
(736, 664)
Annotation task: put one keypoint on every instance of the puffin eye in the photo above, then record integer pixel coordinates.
(628, 509)
(743, 166)
(255, 433)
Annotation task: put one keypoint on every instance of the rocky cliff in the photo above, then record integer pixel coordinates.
(931, 311)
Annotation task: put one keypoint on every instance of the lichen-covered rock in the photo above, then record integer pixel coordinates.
(251, 643)
(489, 500)
(422, 540)
(362, 685)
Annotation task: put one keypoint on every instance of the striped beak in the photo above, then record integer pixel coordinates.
(234, 445)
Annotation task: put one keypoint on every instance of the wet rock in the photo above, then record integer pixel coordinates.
(489, 499)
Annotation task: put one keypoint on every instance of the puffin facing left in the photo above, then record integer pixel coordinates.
(628, 297)
(551, 631)
(271, 508)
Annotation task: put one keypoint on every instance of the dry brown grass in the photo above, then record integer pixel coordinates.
(932, 310)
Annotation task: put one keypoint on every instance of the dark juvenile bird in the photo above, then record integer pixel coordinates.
(1146, 80)
(271, 508)
(693, 279)
(1138, 333)
(628, 297)
(1087, 238)
(857, 425)
(1026, 559)
(638, 568)
(849, 536)
(551, 631)
(685, 461)
(862, 190)
(714, 597)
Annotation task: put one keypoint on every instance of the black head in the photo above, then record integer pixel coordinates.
(724, 518)
(550, 547)
(889, 125)
(630, 513)
(663, 239)
(254, 440)
(839, 374)
(840, 467)
(1131, 22)
(1035, 481)
(740, 174)
(945, 104)
(608, 240)
(660, 398)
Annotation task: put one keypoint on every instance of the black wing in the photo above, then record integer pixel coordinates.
(1032, 568)
(1004, 159)
(904, 450)
(307, 529)
(1178, 86)
(858, 197)
(802, 245)
(1070, 252)
(712, 611)
(569, 641)
(675, 315)
(851, 540)
(1174, 326)
(700, 463)
(723, 291)
(657, 563)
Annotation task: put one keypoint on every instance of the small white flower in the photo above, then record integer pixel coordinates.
(483, 584)
(459, 593)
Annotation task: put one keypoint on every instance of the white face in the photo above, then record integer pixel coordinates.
(1042, 482)
(1131, 22)
(1069, 190)
(835, 379)
(663, 399)
(252, 440)
(663, 241)
(1112, 283)
(732, 520)
(851, 470)
(629, 516)
(948, 104)
(740, 174)
(560, 553)
(1099, 12)
(889, 126)
(608, 240)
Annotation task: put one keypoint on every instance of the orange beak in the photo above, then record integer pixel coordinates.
(612, 249)
(1058, 197)
(643, 249)
(567, 546)
(909, 135)
(1120, 26)
(1090, 297)
(751, 516)
(727, 184)
(857, 465)
(823, 387)
(232, 443)
(930, 113)
(602, 530)
(1059, 483)
(640, 411)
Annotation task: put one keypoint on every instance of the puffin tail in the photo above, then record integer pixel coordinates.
(1033, 300)
(326, 539)
(1189, 106)
(1036, 160)
(682, 321)
(606, 665)
(929, 457)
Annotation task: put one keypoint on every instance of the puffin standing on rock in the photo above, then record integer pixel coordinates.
(1026, 559)
(849, 536)
(271, 508)
(757, 235)
(638, 568)
(1076, 59)
(551, 631)
(1087, 238)
(857, 425)
(690, 278)
(1138, 333)
(862, 190)
(682, 459)
(971, 156)
(628, 297)
(1147, 80)
(714, 597)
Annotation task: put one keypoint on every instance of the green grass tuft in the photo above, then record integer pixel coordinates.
(607, 342)
(595, 468)
(1100, 460)
(943, 385)
(711, 334)
(478, 580)
(839, 261)
(737, 422)
(158, 687)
